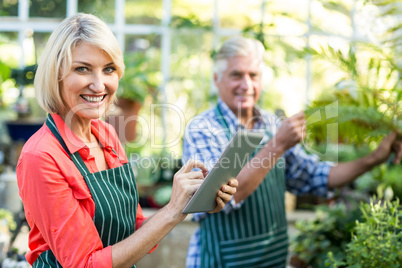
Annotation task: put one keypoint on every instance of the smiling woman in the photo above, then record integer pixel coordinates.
(89, 86)
(83, 180)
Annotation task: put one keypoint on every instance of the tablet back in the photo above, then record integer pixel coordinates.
(232, 160)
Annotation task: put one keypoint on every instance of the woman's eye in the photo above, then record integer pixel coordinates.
(81, 69)
(110, 69)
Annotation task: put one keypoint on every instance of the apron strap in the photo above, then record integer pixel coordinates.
(75, 157)
(222, 121)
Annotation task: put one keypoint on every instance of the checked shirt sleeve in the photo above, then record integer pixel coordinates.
(306, 173)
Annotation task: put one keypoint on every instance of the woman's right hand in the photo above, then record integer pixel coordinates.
(185, 183)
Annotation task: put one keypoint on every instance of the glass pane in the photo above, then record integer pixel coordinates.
(325, 74)
(238, 15)
(284, 83)
(282, 20)
(10, 55)
(105, 10)
(142, 77)
(143, 12)
(145, 44)
(190, 69)
(10, 51)
(39, 40)
(192, 14)
(141, 82)
(47, 8)
(188, 90)
(325, 13)
(9, 8)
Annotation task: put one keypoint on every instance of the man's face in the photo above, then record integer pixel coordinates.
(240, 84)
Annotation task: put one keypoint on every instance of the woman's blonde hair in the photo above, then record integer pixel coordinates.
(237, 46)
(57, 56)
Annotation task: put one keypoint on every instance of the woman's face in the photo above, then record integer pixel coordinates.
(90, 84)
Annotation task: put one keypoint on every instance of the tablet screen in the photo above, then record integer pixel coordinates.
(228, 166)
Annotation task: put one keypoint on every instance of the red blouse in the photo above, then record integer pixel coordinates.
(57, 202)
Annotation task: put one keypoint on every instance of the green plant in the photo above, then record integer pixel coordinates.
(7, 220)
(5, 73)
(376, 240)
(389, 181)
(369, 91)
(368, 95)
(139, 79)
(329, 231)
(190, 21)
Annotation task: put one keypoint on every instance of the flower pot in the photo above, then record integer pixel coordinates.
(22, 130)
(123, 117)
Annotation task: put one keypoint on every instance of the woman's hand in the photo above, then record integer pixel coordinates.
(185, 183)
(225, 194)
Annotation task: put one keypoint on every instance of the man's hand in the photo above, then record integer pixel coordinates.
(291, 131)
(389, 144)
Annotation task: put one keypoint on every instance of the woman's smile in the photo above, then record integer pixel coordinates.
(93, 99)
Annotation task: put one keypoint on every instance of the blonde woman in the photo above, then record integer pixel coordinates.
(77, 187)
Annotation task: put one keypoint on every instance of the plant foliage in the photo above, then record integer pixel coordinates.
(376, 239)
(7, 218)
(139, 79)
(329, 231)
(369, 94)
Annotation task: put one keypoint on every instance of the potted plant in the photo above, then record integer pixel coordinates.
(25, 125)
(138, 82)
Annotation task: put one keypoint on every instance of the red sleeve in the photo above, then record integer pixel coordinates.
(57, 215)
(140, 218)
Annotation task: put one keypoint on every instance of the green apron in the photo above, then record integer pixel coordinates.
(255, 235)
(114, 192)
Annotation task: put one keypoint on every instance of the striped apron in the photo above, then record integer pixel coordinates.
(255, 235)
(114, 192)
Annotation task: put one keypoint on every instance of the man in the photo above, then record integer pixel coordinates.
(251, 231)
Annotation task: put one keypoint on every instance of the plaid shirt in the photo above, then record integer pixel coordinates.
(205, 140)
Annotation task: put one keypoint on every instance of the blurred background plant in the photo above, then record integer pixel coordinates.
(140, 79)
(368, 97)
(5, 73)
(7, 221)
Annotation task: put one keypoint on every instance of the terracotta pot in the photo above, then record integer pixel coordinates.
(124, 119)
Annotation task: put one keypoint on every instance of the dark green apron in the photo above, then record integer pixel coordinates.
(114, 192)
(255, 235)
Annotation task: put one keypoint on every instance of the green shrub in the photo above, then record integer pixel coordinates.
(329, 231)
(376, 240)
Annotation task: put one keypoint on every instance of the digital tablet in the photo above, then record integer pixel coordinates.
(228, 166)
